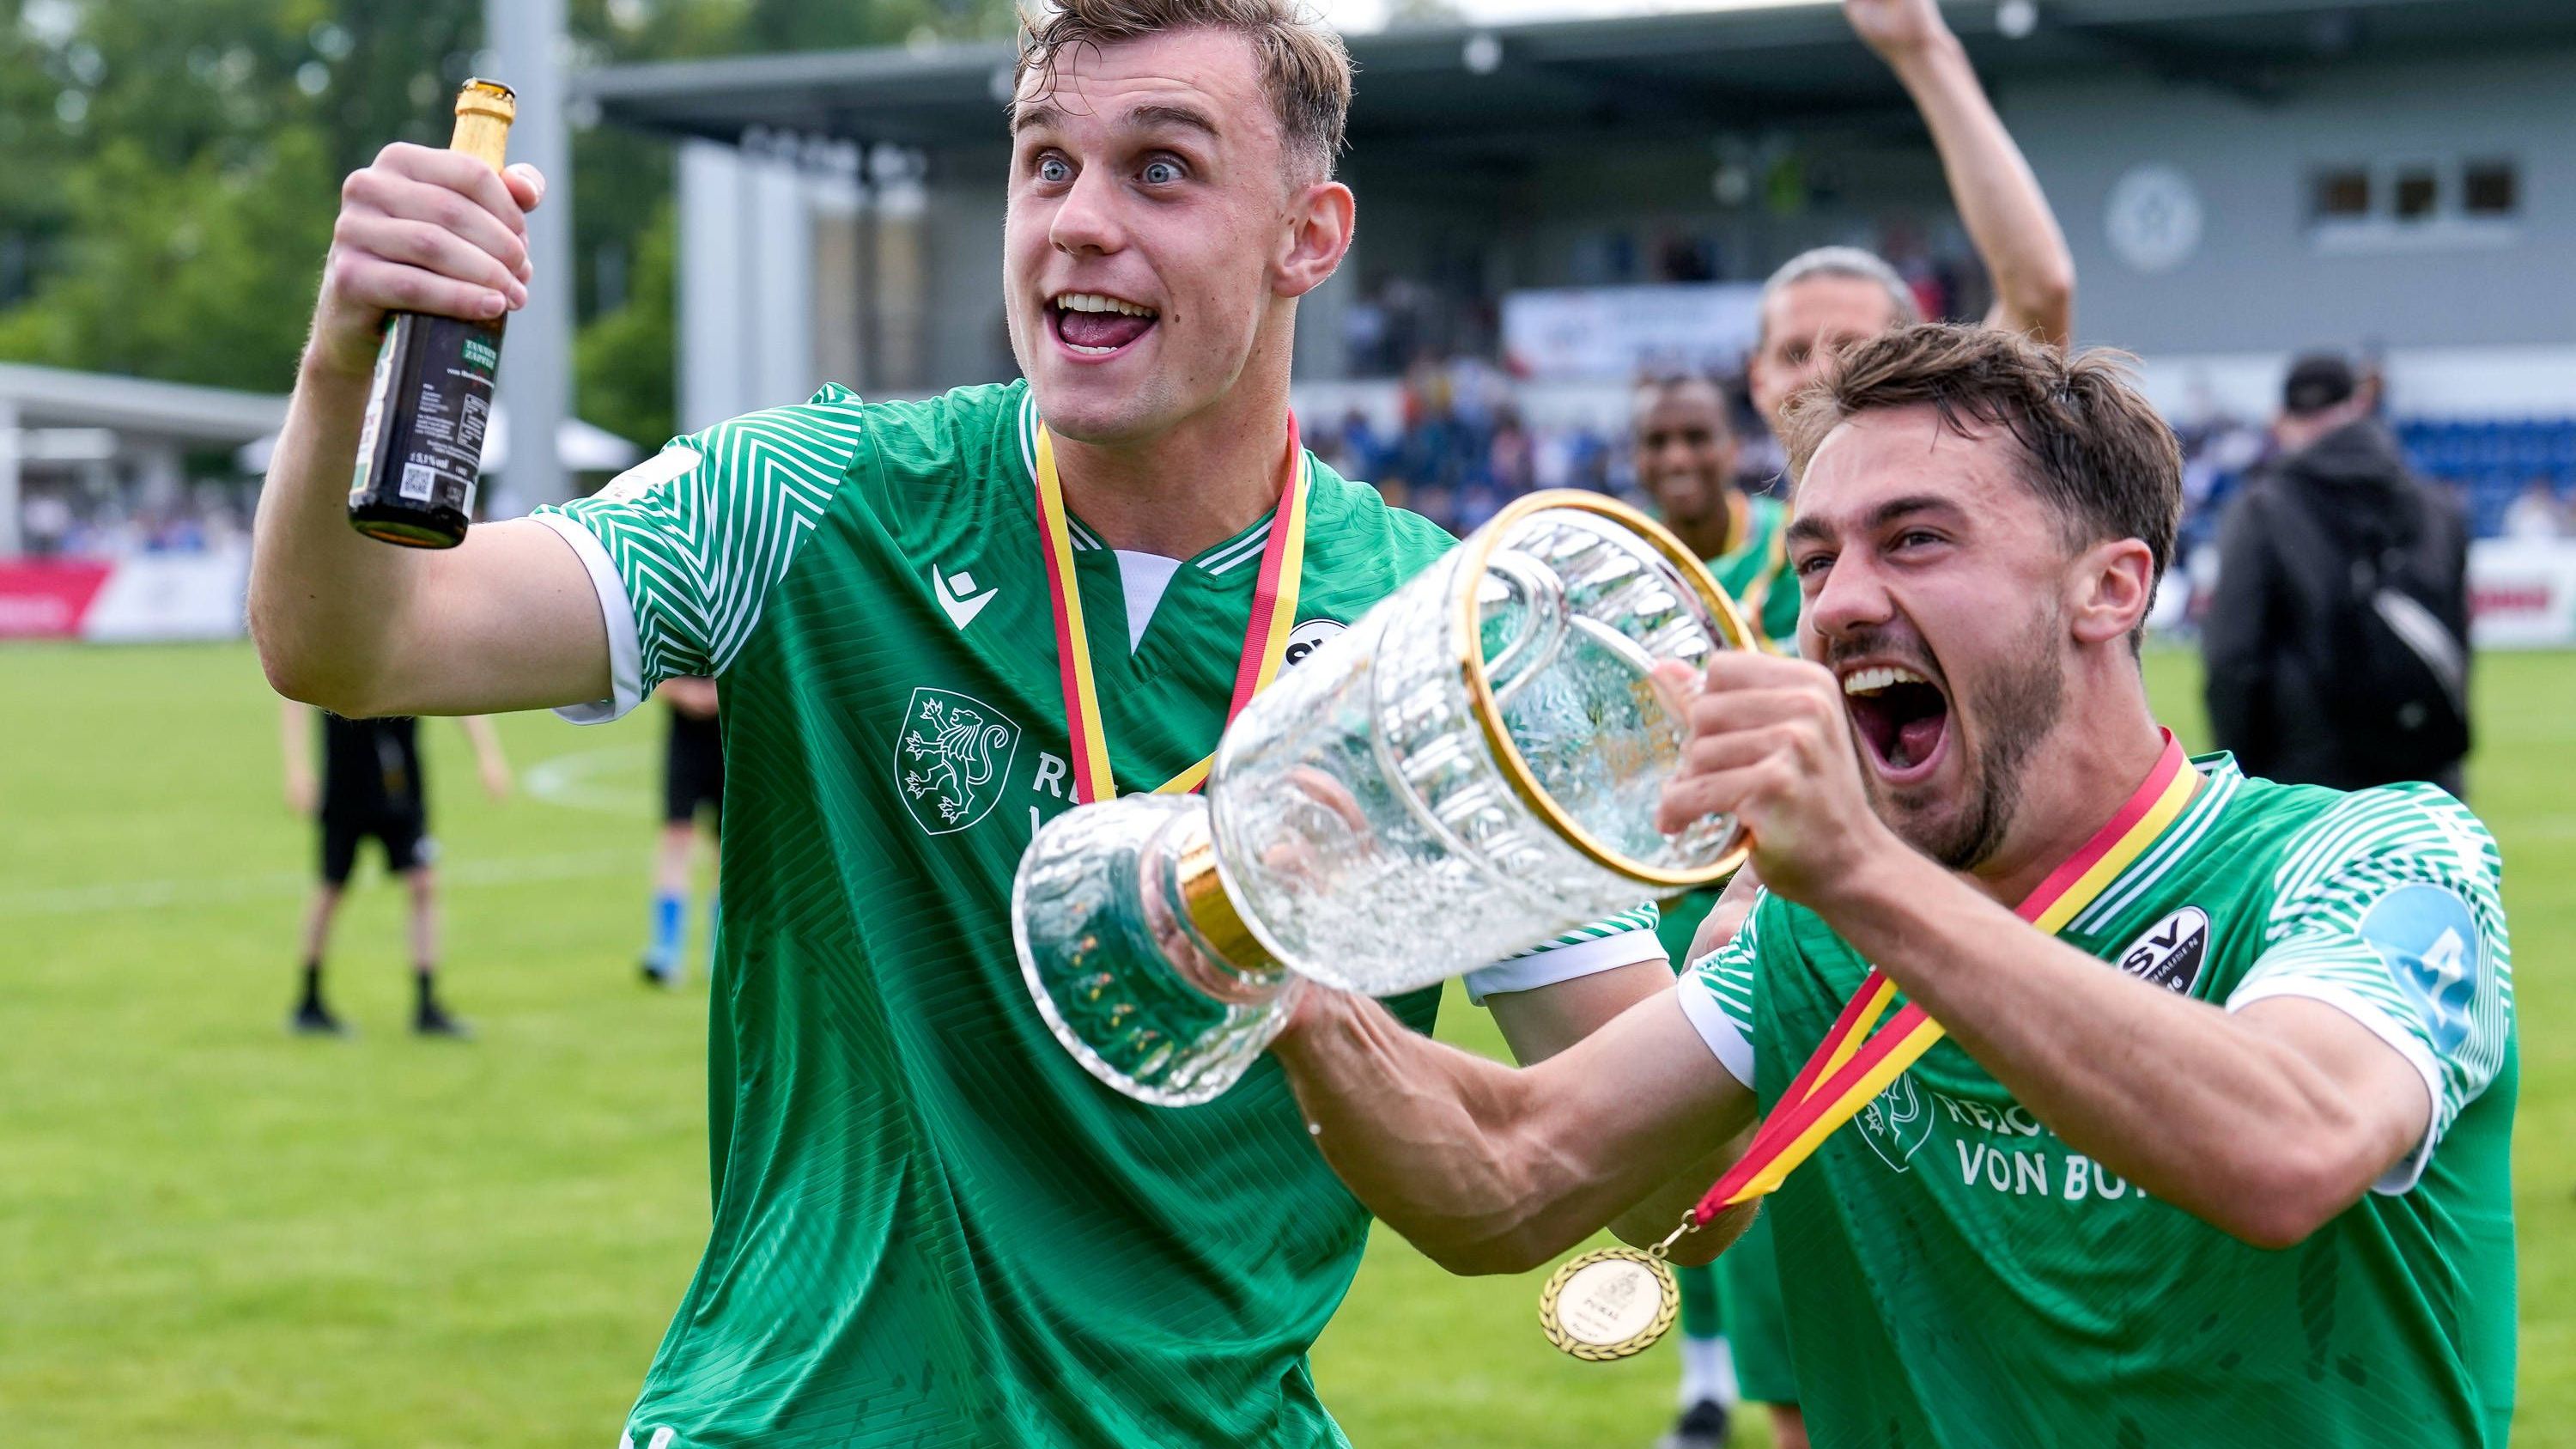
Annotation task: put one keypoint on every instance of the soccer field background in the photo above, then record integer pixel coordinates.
(213, 1234)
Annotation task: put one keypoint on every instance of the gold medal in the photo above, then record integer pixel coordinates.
(1609, 1304)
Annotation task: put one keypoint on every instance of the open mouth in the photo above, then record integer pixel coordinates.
(1091, 324)
(1902, 719)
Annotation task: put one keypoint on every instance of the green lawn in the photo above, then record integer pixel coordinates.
(212, 1235)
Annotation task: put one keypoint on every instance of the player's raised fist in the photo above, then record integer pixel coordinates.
(1767, 741)
(1895, 26)
(421, 230)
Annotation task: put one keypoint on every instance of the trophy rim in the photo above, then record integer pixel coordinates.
(1523, 780)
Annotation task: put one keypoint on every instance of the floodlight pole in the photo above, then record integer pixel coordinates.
(526, 41)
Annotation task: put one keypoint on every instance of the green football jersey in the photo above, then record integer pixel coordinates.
(930, 1227)
(1757, 575)
(1956, 1276)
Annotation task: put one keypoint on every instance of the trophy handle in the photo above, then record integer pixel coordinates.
(1618, 645)
(1542, 595)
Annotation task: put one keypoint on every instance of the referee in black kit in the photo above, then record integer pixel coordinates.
(371, 789)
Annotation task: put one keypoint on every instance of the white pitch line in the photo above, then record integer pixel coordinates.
(146, 895)
(571, 781)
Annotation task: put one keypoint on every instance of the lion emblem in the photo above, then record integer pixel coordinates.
(951, 758)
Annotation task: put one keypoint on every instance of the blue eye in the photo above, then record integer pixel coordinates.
(1160, 173)
(1053, 170)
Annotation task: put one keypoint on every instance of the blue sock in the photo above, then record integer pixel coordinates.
(670, 922)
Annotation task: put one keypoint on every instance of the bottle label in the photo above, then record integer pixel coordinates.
(447, 406)
(378, 388)
(421, 448)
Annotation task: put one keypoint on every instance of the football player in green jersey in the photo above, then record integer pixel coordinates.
(930, 1226)
(1685, 450)
(1818, 302)
(2221, 1159)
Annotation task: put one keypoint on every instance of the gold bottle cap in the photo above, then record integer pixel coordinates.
(484, 111)
(488, 97)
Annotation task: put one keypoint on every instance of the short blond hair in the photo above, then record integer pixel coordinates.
(1305, 68)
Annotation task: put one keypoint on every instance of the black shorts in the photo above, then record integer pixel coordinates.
(692, 770)
(403, 830)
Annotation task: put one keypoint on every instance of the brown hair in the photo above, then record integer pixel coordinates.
(2091, 445)
(1304, 66)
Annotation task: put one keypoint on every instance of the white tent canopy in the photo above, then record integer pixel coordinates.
(582, 447)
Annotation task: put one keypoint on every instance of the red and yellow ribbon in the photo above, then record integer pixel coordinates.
(1851, 1067)
(1265, 640)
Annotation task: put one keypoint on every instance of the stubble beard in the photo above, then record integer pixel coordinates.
(2016, 707)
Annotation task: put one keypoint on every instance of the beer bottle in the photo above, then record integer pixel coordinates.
(422, 446)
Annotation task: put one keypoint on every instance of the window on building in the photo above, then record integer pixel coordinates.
(2342, 192)
(2490, 188)
(2415, 203)
(2416, 194)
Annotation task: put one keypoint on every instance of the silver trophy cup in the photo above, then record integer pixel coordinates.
(1469, 771)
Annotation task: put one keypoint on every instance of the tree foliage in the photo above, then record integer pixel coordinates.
(172, 169)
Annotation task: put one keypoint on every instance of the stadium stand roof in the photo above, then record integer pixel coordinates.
(54, 397)
(1449, 90)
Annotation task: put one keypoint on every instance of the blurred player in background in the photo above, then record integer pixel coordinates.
(692, 782)
(1815, 304)
(1824, 299)
(371, 789)
(1685, 456)
(1685, 453)
(930, 1225)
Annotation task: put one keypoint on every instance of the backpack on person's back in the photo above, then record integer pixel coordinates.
(2380, 577)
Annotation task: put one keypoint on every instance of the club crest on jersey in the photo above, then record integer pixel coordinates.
(1895, 1122)
(1307, 637)
(2171, 952)
(951, 758)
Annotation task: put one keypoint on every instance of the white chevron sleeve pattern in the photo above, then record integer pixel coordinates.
(684, 548)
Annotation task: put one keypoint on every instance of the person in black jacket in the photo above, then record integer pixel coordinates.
(2337, 636)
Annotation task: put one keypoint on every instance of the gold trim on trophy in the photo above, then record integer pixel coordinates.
(1489, 715)
(1212, 912)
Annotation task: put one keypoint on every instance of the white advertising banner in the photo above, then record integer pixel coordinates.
(2522, 593)
(1615, 334)
(146, 598)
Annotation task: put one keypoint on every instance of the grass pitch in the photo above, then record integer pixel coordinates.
(211, 1234)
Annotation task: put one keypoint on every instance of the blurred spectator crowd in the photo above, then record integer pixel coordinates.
(1463, 443)
(80, 523)
(1463, 438)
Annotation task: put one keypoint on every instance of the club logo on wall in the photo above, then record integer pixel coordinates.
(2153, 220)
(2170, 953)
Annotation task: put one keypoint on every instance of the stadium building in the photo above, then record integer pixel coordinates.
(1575, 201)
(2237, 177)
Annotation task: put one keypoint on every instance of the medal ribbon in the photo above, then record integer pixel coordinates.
(1850, 1068)
(1265, 640)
